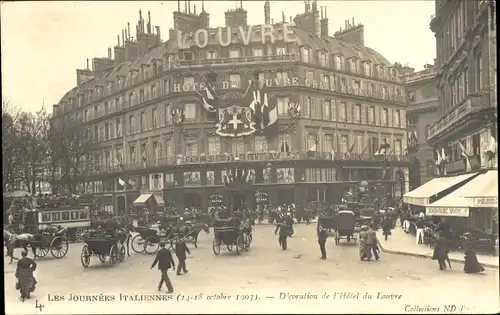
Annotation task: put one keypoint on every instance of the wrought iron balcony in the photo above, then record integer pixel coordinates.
(471, 104)
(94, 168)
(239, 60)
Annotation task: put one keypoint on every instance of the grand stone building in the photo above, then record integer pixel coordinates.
(465, 135)
(298, 113)
(423, 107)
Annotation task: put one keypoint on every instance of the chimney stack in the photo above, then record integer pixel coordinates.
(87, 68)
(351, 33)
(149, 22)
(128, 30)
(267, 13)
(185, 6)
(194, 9)
(324, 23)
(178, 5)
(158, 33)
(283, 16)
(109, 53)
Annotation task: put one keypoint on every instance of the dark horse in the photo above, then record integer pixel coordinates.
(191, 231)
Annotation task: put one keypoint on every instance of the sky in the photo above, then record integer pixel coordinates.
(43, 43)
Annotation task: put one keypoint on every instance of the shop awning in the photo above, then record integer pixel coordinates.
(159, 200)
(142, 199)
(421, 196)
(483, 190)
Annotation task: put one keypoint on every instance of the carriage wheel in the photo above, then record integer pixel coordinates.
(138, 244)
(122, 254)
(59, 247)
(85, 256)
(113, 255)
(246, 243)
(80, 235)
(216, 246)
(42, 252)
(102, 257)
(152, 244)
(337, 238)
(239, 244)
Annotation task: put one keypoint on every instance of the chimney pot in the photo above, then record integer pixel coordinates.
(353, 22)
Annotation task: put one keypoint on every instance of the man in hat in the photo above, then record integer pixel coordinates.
(180, 251)
(322, 236)
(165, 261)
(372, 242)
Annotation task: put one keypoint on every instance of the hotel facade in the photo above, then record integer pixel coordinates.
(300, 114)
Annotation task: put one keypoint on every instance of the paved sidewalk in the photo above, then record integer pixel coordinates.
(401, 243)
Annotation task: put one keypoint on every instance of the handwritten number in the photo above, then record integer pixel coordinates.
(39, 306)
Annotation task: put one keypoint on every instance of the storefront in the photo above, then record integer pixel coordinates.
(477, 201)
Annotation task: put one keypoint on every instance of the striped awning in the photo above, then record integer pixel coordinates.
(142, 199)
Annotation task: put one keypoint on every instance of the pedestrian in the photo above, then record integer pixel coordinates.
(372, 241)
(386, 226)
(26, 281)
(441, 252)
(472, 265)
(165, 261)
(284, 231)
(322, 236)
(420, 225)
(180, 251)
(364, 250)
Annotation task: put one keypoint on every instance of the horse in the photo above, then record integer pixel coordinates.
(13, 241)
(194, 230)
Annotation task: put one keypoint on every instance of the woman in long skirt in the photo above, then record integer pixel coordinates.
(472, 265)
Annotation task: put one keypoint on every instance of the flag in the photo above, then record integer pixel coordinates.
(131, 181)
(364, 150)
(121, 182)
(352, 146)
(438, 157)
(208, 96)
(265, 112)
(464, 152)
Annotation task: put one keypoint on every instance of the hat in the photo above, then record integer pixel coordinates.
(364, 227)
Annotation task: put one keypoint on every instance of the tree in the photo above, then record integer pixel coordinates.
(10, 145)
(34, 142)
(71, 145)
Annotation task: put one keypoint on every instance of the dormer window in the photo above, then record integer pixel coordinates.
(339, 62)
(305, 55)
(352, 65)
(80, 100)
(323, 59)
(367, 69)
(211, 54)
(188, 56)
(234, 53)
(119, 82)
(394, 73)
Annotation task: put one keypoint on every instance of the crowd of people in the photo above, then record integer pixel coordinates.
(284, 216)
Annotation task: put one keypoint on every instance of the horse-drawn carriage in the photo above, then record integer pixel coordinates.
(103, 245)
(52, 239)
(232, 232)
(148, 240)
(345, 226)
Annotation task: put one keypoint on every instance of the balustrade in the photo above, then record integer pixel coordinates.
(92, 168)
(472, 103)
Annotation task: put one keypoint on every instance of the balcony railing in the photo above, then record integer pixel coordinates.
(93, 168)
(239, 60)
(472, 103)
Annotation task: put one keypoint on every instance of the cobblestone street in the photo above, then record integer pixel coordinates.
(264, 270)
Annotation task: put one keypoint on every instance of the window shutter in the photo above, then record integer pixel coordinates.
(377, 115)
(349, 112)
(390, 117)
(333, 104)
(363, 113)
(402, 118)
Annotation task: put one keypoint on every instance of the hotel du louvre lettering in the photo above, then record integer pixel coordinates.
(225, 36)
